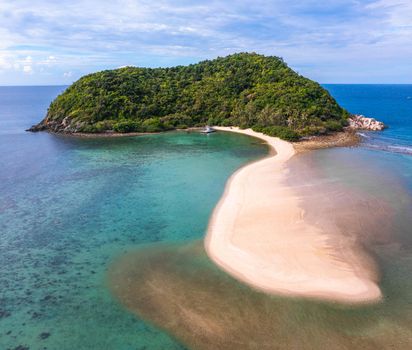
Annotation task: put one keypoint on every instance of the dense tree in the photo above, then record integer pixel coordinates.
(245, 89)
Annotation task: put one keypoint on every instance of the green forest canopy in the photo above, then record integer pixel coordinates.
(245, 89)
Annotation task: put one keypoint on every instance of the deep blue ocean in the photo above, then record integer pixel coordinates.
(391, 104)
(69, 206)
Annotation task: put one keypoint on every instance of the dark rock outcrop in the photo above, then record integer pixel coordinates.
(66, 125)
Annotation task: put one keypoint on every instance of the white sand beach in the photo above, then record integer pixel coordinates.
(259, 235)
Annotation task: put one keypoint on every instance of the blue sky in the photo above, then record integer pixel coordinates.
(331, 41)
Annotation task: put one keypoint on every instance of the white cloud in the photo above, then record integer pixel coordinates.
(4, 63)
(27, 69)
(67, 74)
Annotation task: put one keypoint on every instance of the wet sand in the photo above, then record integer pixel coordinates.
(259, 234)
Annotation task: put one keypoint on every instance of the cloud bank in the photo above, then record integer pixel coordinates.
(49, 42)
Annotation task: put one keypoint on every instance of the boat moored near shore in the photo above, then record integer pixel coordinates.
(207, 130)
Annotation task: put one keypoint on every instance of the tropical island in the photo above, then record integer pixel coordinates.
(261, 97)
(245, 89)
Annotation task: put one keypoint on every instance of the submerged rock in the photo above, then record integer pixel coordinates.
(4, 313)
(360, 122)
(44, 335)
(21, 347)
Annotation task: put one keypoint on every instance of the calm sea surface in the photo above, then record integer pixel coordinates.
(70, 206)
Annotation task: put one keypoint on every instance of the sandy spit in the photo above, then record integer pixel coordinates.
(258, 234)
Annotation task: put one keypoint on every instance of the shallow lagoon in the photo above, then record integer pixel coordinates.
(68, 206)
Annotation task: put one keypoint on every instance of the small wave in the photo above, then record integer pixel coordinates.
(389, 148)
(401, 149)
(363, 135)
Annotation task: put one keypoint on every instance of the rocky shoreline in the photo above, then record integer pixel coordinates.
(347, 138)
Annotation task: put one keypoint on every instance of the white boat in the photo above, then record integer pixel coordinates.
(207, 130)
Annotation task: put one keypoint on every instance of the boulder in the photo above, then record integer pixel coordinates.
(360, 122)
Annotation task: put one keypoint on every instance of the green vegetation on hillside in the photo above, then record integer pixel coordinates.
(246, 90)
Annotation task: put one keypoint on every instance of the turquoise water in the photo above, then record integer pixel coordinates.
(68, 206)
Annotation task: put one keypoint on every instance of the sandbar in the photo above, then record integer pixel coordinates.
(259, 235)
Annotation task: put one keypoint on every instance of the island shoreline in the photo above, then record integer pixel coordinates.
(346, 138)
(103, 135)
